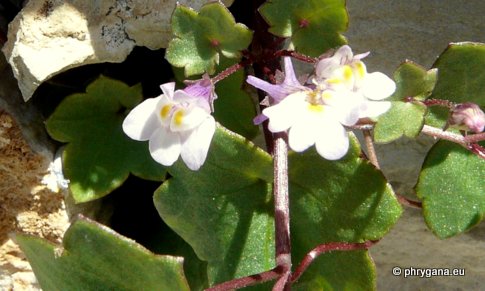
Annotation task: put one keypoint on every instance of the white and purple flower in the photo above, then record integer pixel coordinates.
(340, 93)
(176, 123)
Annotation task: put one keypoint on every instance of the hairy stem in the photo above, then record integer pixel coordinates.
(371, 152)
(296, 55)
(324, 248)
(231, 70)
(457, 138)
(282, 210)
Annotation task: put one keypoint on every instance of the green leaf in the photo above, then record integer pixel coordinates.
(452, 187)
(93, 257)
(404, 118)
(234, 108)
(99, 156)
(412, 80)
(224, 210)
(338, 201)
(461, 78)
(201, 37)
(314, 26)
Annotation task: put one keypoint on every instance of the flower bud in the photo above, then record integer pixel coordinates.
(467, 116)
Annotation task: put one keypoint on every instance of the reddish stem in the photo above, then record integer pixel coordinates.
(296, 55)
(433, 102)
(282, 210)
(477, 149)
(408, 202)
(248, 281)
(369, 143)
(231, 70)
(324, 248)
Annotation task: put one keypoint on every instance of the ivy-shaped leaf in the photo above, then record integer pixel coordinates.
(93, 257)
(331, 201)
(412, 80)
(404, 118)
(225, 211)
(201, 37)
(452, 187)
(314, 26)
(461, 78)
(99, 156)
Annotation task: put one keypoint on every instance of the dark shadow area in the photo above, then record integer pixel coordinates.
(143, 65)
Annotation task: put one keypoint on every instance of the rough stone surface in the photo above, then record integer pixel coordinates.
(52, 36)
(30, 199)
(418, 30)
(26, 205)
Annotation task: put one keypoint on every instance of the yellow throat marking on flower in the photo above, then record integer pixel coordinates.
(348, 73)
(178, 117)
(165, 111)
(359, 66)
(314, 101)
(317, 108)
(326, 96)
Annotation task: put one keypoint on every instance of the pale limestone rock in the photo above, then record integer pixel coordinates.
(26, 205)
(52, 36)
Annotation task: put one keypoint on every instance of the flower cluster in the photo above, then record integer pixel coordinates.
(316, 112)
(176, 123)
(338, 95)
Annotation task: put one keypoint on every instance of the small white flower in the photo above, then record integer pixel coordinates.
(176, 123)
(309, 122)
(345, 72)
(311, 115)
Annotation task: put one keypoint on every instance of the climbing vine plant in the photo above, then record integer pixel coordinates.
(262, 179)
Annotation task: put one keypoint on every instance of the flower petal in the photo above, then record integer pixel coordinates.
(260, 118)
(374, 108)
(332, 142)
(283, 115)
(196, 145)
(203, 101)
(164, 110)
(185, 118)
(164, 146)
(378, 86)
(290, 77)
(168, 89)
(301, 135)
(142, 121)
(345, 105)
(277, 92)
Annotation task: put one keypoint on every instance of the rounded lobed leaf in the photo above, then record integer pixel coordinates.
(338, 201)
(99, 156)
(201, 37)
(314, 26)
(403, 119)
(461, 78)
(412, 80)
(224, 211)
(93, 257)
(452, 188)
